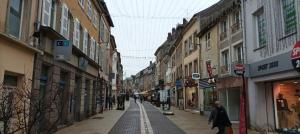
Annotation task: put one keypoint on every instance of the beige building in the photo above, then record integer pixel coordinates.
(83, 27)
(17, 55)
(191, 60)
(208, 35)
(17, 43)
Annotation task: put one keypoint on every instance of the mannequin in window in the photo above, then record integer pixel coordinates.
(282, 110)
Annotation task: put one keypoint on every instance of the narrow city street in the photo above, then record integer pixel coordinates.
(143, 118)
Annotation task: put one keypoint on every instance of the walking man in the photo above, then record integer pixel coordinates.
(219, 118)
(134, 96)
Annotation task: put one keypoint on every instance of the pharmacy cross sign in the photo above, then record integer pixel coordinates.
(295, 56)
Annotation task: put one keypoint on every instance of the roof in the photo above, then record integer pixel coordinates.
(106, 12)
(212, 15)
(113, 42)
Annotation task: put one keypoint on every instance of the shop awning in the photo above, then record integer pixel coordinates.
(204, 84)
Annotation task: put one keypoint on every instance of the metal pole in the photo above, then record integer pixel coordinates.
(245, 102)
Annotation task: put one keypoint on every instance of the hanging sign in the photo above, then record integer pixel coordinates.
(239, 69)
(295, 56)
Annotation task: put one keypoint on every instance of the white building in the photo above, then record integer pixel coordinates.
(272, 27)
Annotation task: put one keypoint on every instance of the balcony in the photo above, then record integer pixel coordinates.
(224, 69)
(223, 35)
(235, 27)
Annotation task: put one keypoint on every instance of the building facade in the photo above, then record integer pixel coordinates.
(271, 30)
(75, 38)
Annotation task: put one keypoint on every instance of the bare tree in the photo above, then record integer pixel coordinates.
(25, 110)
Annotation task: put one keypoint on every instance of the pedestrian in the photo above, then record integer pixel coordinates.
(110, 103)
(141, 98)
(134, 96)
(114, 100)
(219, 118)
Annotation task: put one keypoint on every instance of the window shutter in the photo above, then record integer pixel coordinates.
(92, 49)
(97, 53)
(85, 41)
(47, 4)
(76, 36)
(64, 21)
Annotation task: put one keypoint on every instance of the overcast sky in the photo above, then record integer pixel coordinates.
(141, 26)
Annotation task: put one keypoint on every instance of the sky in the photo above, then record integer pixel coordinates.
(141, 26)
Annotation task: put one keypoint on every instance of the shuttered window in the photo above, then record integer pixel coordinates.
(90, 11)
(289, 16)
(76, 38)
(81, 3)
(64, 21)
(85, 41)
(261, 29)
(47, 5)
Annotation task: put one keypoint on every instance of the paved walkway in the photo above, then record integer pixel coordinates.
(192, 123)
(98, 124)
(144, 119)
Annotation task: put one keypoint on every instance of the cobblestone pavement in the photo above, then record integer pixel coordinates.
(160, 123)
(98, 124)
(129, 123)
(144, 119)
(194, 123)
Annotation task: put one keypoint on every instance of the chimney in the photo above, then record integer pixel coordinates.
(169, 36)
(184, 21)
(150, 62)
(173, 31)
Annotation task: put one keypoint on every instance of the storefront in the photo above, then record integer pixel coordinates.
(229, 95)
(274, 96)
(179, 94)
(191, 97)
(287, 103)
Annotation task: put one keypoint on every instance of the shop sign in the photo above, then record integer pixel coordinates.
(295, 56)
(271, 65)
(209, 69)
(195, 76)
(62, 50)
(178, 84)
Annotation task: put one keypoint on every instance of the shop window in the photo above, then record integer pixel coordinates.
(43, 80)
(287, 104)
(15, 17)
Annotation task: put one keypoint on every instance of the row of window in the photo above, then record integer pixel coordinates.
(190, 44)
(289, 21)
(191, 68)
(89, 45)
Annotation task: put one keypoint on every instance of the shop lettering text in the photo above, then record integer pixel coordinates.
(268, 66)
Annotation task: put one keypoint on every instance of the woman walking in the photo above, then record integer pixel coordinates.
(219, 118)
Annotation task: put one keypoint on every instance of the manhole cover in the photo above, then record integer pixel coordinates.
(98, 118)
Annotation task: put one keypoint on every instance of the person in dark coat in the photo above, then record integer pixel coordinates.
(219, 118)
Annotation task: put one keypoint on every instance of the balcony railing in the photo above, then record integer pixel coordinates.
(223, 35)
(235, 27)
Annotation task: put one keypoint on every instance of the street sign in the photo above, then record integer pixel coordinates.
(295, 56)
(195, 76)
(62, 50)
(239, 69)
